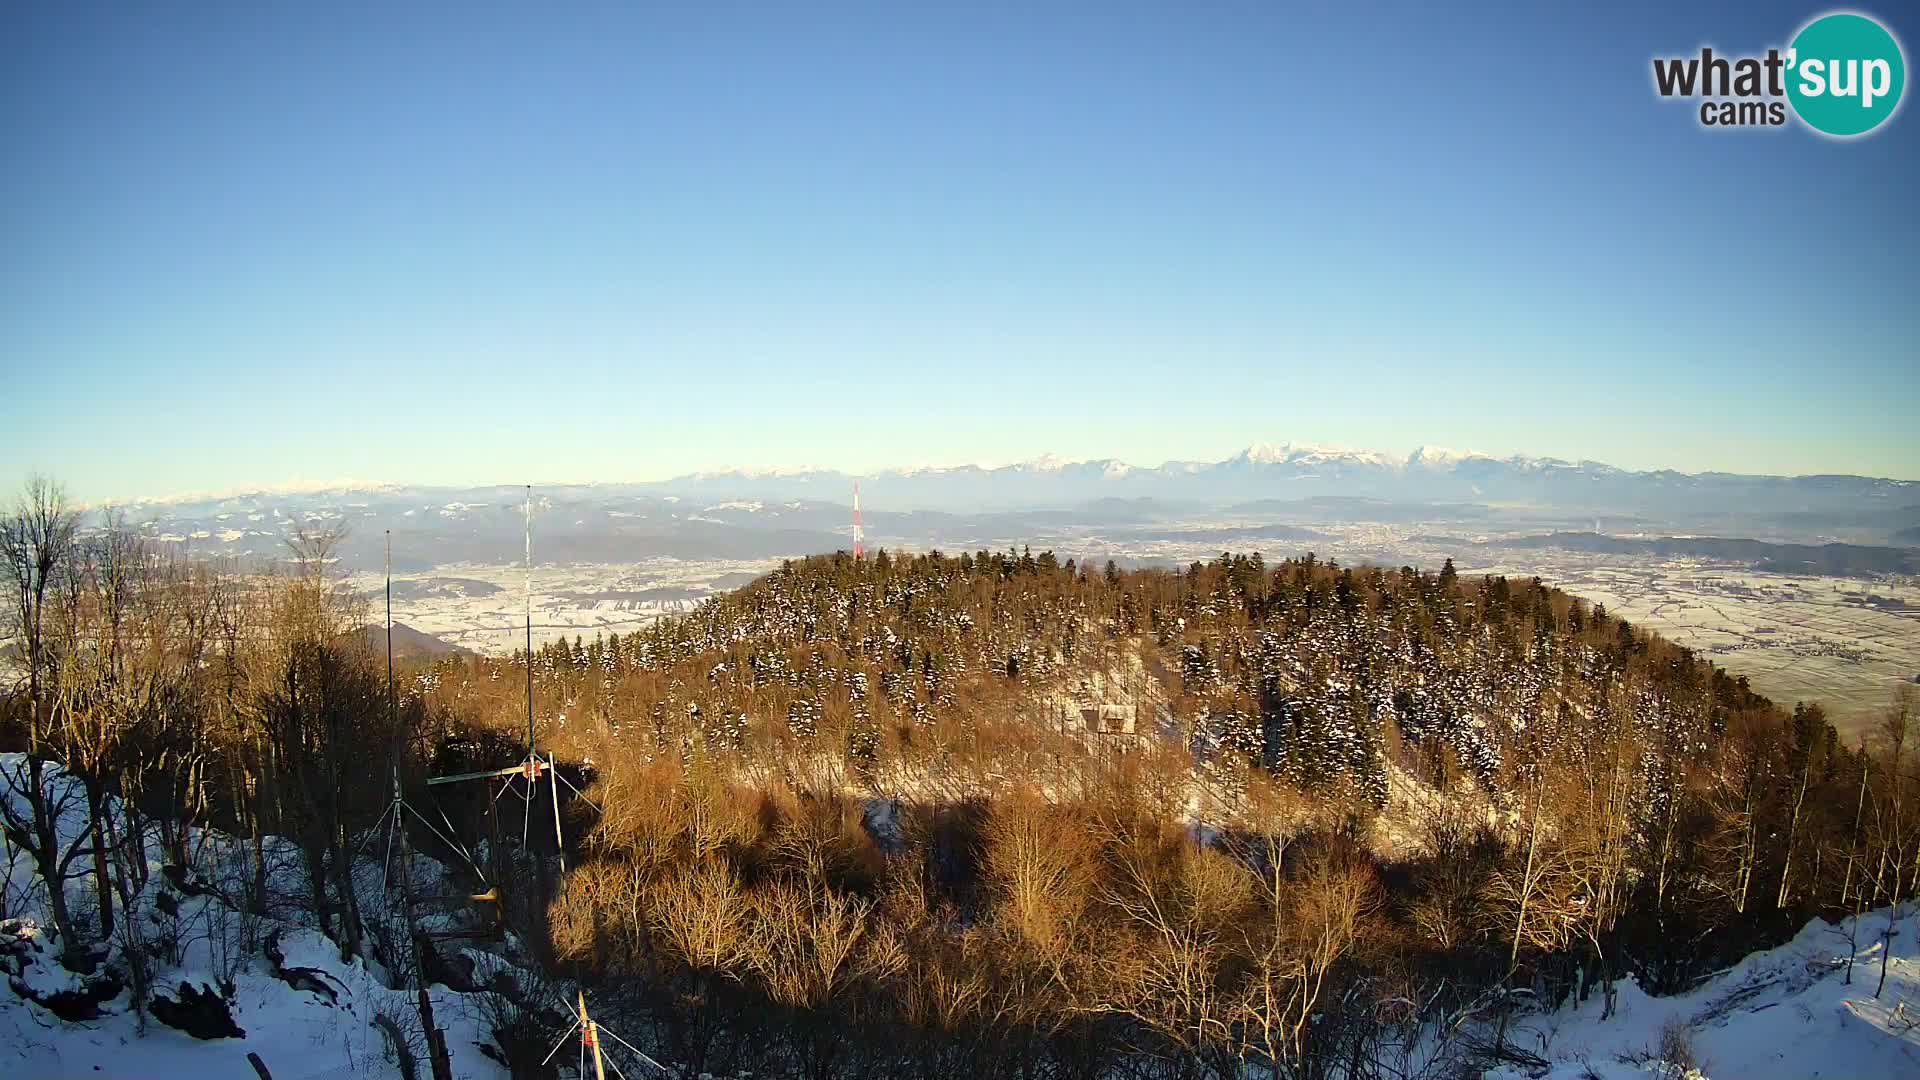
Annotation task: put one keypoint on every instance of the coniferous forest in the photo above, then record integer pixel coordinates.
(934, 815)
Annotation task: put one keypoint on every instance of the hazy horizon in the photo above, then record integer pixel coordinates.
(297, 485)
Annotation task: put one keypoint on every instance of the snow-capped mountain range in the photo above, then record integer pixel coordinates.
(1298, 470)
(1260, 472)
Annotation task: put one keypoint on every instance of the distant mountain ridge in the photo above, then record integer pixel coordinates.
(1260, 473)
(1302, 471)
(749, 513)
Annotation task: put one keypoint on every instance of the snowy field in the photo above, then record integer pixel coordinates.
(483, 607)
(1794, 637)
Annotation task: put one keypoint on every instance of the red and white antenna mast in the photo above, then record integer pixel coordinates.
(859, 530)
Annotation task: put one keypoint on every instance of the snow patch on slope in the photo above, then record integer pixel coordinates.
(1786, 1012)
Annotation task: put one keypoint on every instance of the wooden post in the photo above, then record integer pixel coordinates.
(590, 1032)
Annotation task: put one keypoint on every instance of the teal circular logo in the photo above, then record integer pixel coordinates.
(1845, 73)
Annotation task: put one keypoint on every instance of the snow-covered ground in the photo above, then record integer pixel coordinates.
(327, 1026)
(299, 1034)
(1787, 1013)
(483, 606)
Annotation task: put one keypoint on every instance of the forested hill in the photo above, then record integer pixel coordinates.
(1323, 673)
(1544, 789)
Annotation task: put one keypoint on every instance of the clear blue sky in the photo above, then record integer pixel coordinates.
(255, 244)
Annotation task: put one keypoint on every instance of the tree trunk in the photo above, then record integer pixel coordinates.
(1886, 946)
(1666, 849)
(1860, 803)
(1747, 850)
(45, 849)
(258, 901)
(130, 850)
(103, 884)
(1793, 832)
(349, 896)
(315, 857)
(1526, 880)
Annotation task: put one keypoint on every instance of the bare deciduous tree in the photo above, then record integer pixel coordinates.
(37, 540)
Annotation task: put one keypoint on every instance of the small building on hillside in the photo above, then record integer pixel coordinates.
(1109, 719)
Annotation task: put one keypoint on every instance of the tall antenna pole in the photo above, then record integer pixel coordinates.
(529, 620)
(393, 708)
(859, 531)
